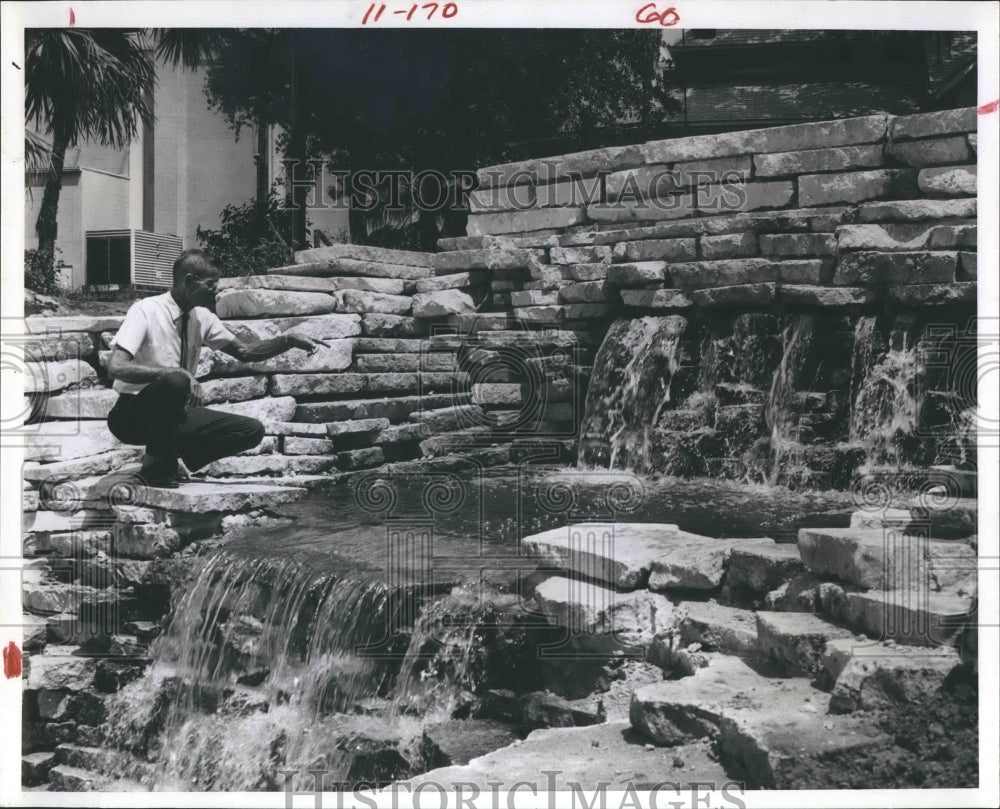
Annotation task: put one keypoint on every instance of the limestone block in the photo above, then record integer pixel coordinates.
(361, 302)
(583, 164)
(930, 152)
(78, 468)
(953, 181)
(61, 347)
(363, 252)
(825, 296)
(60, 667)
(967, 262)
(237, 303)
(916, 210)
(634, 274)
(905, 237)
(584, 292)
(524, 221)
(457, 280)
(928, 124)
(817, 160)
(798, 244)
(379, 325)
(581, 191)
(655, 250)
(270, 408)
(339, 267)
(534, 297)
(724, 272)
(717, 628)
(325, 327)
(728, 245)
(806, 271)
(934, 294)
(745, 196)
(580, 255)
(739, 295)
(857, 186)
(503, 198)
(796, 640)
(92, 403)
(656, 298)
(233, 389)
(60, 324)
(442, 303)
(672, 206)
(66, 440)
(52, 376)
(872, 268)
(761, 568)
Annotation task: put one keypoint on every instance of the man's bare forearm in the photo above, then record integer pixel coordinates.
(136, 372)
(261, 350)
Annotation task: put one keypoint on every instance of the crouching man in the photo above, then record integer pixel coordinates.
(153, 363)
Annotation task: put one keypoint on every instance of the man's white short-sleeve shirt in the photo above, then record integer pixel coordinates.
(151, 334)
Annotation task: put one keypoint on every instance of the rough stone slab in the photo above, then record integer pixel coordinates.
(374, 324)
(442, 303)
(356, 427)
(363, 252)
(856, 186)
(534, 297)
(599, 618)
(233, 389)
(916, 617)
(505, 198)
(270, 408)
(886, 559)
(634, 274)
(728, 245)
(340, 267)
(973, 141)
(360, 302)
(746, 196)
(967, 262)
(872, 268)
(540, 314)
(708, 172)
(796, 640)
(325, 327)
(806, 271)
(496, 393)
(798, 244)
(817, 160)
(352, 384)
(52, 376)
(80, 404)
(656, 298)
(279, 428)
(930, 152)
(388, 363)
(619, 555)
(35, 767)
(548, 170)
(569, 192)
(896, 518)
(60, 668)
(673, 206)
(458, 280)
(917, 210)
(395, 408)
(799, 750)
(758, 569)
(64, 778)
(693, 562)
(63, 441)
(738, 295)
(55, 521)
(458, 741)
(267, 465)
(580, 255)
(201, 497)
(929, 124)
(934, 294)
(725, 272)
(821, 135)
(240, 303)
(60, 324)
(716, 627)
(825, 296)
(362, 458)
(905, 237)
(456, 416)
(868, 675)
(655, 250)
(680, 711)
(607, 753)
(394, 345)
(297, 445)
(305, 283)
(398, 433)
(953, 181)
(944, 516)
(585, 292)
(524, 221)
(81, 467)
(60, 347)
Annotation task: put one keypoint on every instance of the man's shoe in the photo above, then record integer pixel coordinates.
(160, 481)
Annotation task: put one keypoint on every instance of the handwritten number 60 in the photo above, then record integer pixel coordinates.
(650, 14)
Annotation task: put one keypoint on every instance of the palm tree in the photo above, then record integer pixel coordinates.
(83, 85)
(94, 85)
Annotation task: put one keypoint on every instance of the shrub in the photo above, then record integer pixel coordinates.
(40, 271)
(249, 241)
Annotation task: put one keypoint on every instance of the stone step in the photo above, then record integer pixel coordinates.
(717, 628)
(199, 497)
(450, 418)
(868, 675)
(773, 731)
(394, 408)
(112, 763)
(457, 741)
(599, 619)
(635, 555)
(361, 252)
(64, 778)
(758, 569)
(878, 559)
(797, 641)
(938, 515)
(35, 767)
(581, 758)
(917, 616)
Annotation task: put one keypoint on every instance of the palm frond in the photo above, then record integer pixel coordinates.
(37, 152)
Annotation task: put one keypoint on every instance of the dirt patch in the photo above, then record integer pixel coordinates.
(115, 302)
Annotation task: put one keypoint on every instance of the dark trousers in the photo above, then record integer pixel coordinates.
(158, 417)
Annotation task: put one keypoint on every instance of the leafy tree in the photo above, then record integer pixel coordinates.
(436, 99)
(249, 241)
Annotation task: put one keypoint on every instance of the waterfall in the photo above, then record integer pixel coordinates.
(779, 413)
(632, 383)
(263, 663)
(886, 406)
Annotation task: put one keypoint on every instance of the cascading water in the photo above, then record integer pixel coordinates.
(633, 381)
(886, 407)
(265, 662)
(779, 412)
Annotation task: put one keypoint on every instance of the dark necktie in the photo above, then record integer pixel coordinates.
(184, 340)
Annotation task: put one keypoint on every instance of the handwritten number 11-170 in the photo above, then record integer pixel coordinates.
(375, 11)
